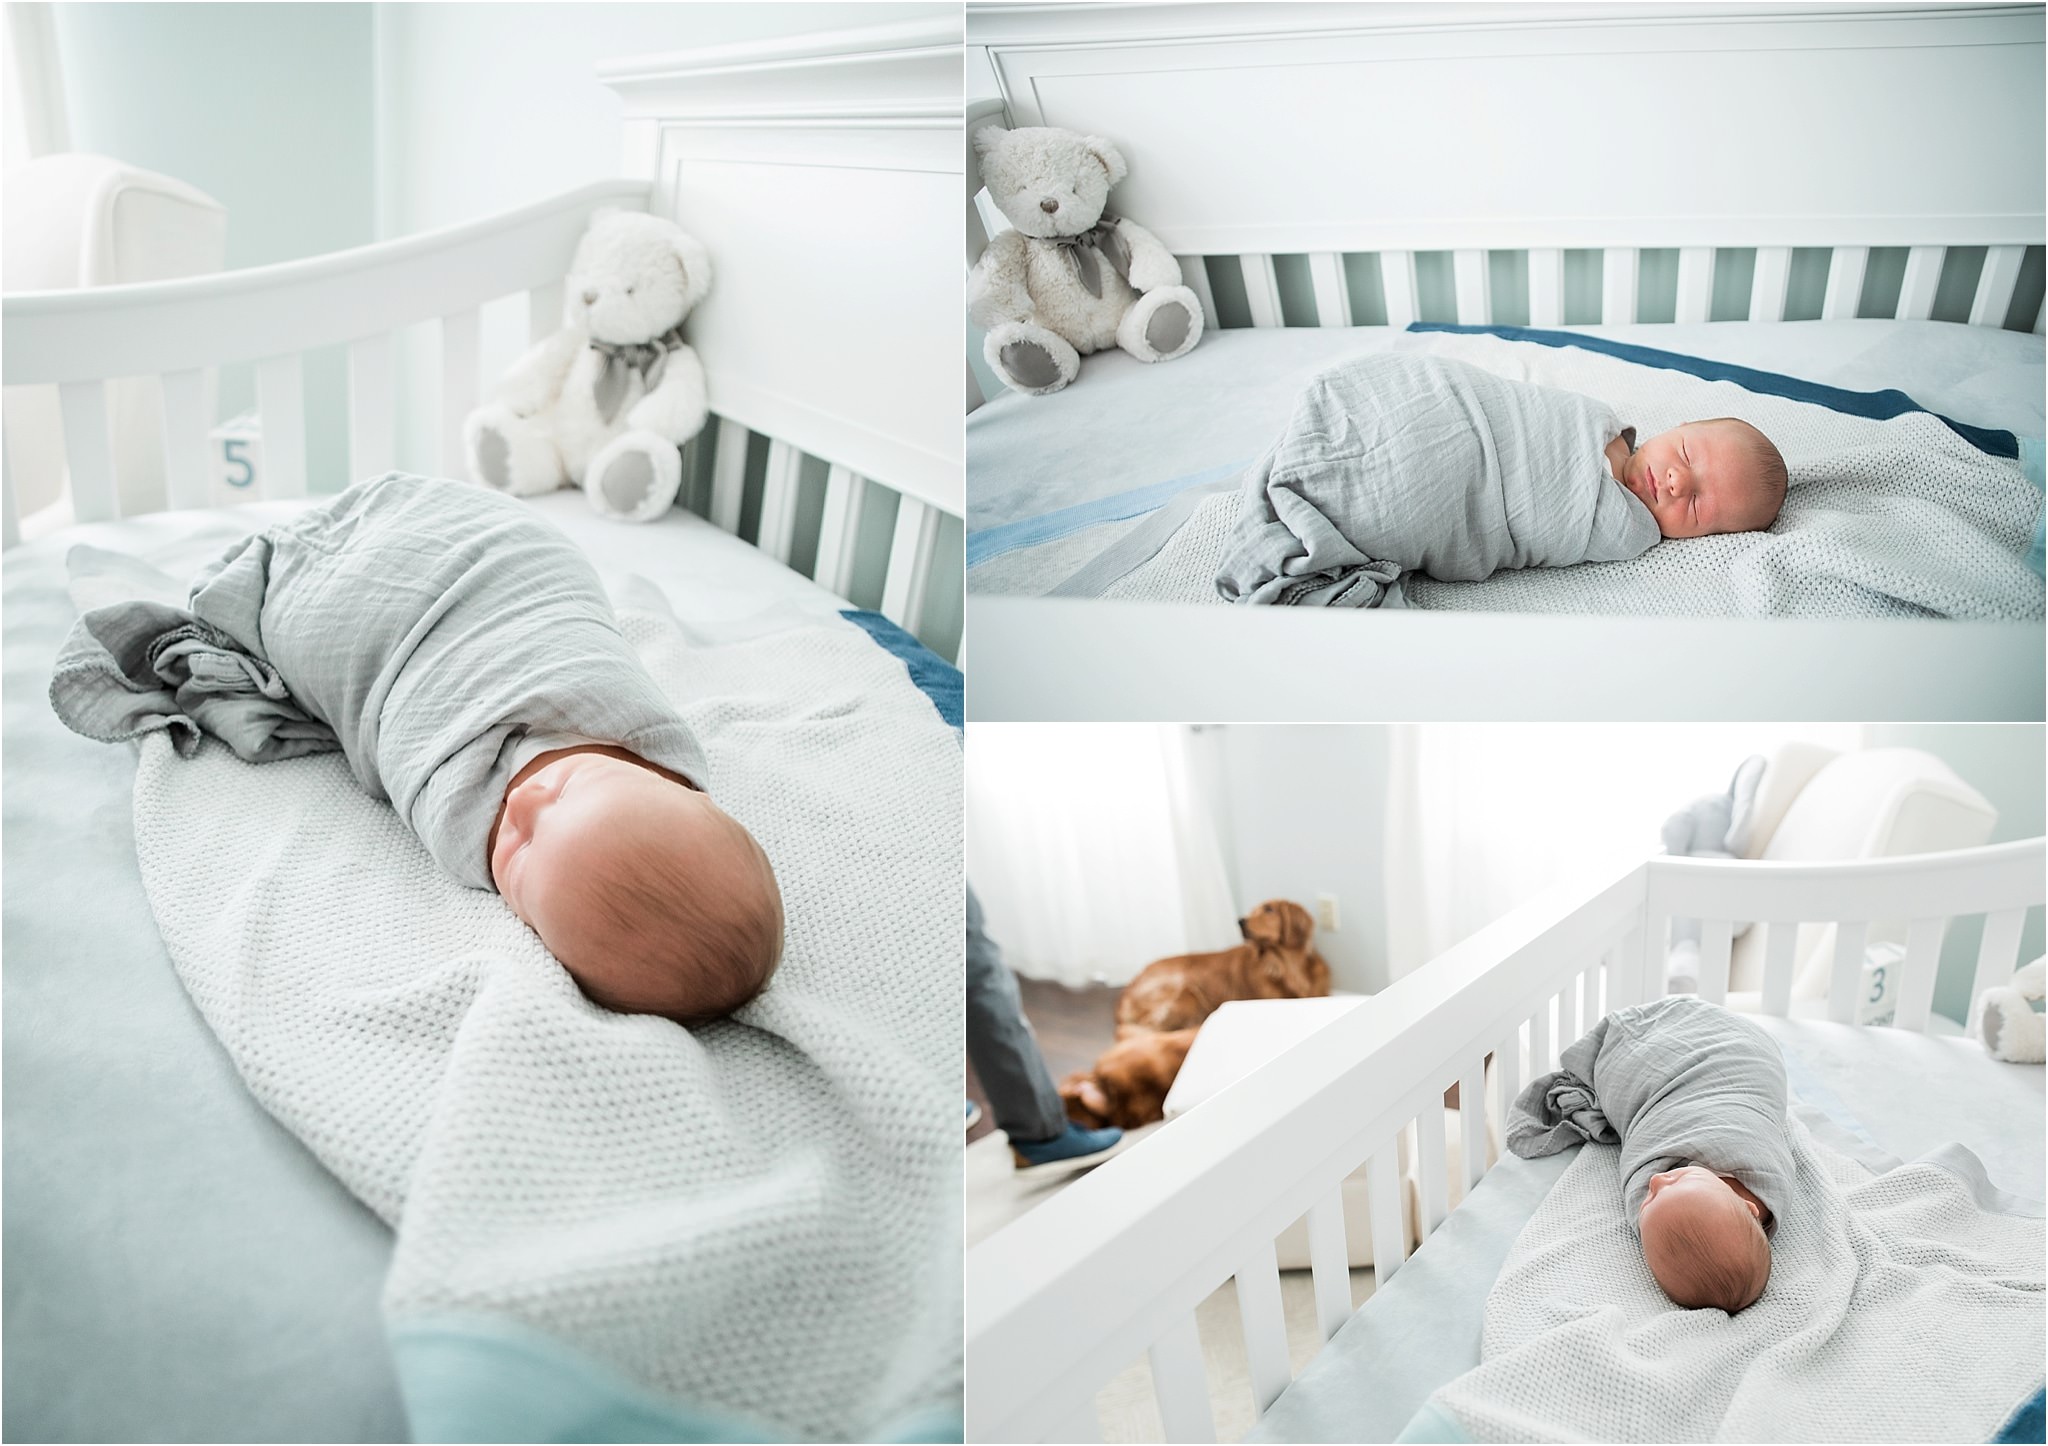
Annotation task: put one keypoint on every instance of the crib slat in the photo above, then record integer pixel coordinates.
(1194, 274)
(88, 452)
(1695, 283)
(728, 475)
(1475, 294)
(1845, 283)
(1998, 952)
(1923, 275)
(1546, 288)
(839, 532)
(1846, 975)
(1180, 1384)
(1923, 962)
(184, 438)
(1333, 293)
(1429, 1159)
(1383, 1202)
(1265, 1326)
(1768, 283)
(543, 311)
(1716, 935)
(1261, 288)
(10, 519)
(1397, 286)
(1628, 972)
(1082, 1425)
(1995, 285)
(910, 563)
(458, 384)
(281, 405)
(1472, 1123)
(1329, 1262)
(1779, 943)
(778, 501)
(372, 408)
(1618, 285)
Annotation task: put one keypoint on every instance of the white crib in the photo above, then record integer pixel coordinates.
(1113, 1267)
(828, 343)
(1370, 164)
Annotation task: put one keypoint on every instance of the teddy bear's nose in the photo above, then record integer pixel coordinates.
(590, 298)
(1048, 205)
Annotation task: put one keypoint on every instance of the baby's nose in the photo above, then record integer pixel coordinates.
(1048, 205)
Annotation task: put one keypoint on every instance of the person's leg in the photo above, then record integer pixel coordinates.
(999, 1041)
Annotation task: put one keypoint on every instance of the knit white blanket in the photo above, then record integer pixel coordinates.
(1902, 1306)
(760, 1217)
(1896, 518)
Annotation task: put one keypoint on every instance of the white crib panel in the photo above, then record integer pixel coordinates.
(372, 407)
(1194, 274)
(1998, 952)
(1261, 289)
(1618, 285)
(1329, 1262)
(1429, 1160)
(281, 402)
(1768, 283)
(1546, 287)
(1475, 294)
(1923, 275)
(1472, 1122)
(1923, 962)
(1080, 1425)
(10, 522)
(1333, 293)
(543, 311)
(1628, 965)
(1264, 1323)
(728, 475)
(1845, 978)
(88, 451)
(458, 384)
(1695, 283)
(1995, 285)
(910, 562)
(1845, 282)
(1920, 886)
(778, 501)
(1779, 946)
(1540, 1060)
(1715, 938)
(1180, 1384)
(839, 532)
(1383, 1207)
(1397, 285)
(184, 438)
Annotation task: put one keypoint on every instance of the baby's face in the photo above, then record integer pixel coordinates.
(1701, 478)
(1695, 1223)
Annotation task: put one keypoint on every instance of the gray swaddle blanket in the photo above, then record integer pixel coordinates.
(439, 635)
(1674, 1082)
(1404, 462)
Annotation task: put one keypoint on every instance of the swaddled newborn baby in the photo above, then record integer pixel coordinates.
(1695, 1097)
(1400, 461)
(461, 654)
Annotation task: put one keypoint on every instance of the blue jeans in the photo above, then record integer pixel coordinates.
(999, 1041)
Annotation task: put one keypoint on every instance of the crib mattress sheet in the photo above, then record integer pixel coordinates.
(1903, 1092)
(178, 1266)
(1052, 481)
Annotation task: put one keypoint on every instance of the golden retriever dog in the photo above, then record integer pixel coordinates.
(1160, 1010)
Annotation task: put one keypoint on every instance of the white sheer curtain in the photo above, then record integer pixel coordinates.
(1090, 849)
(1482, 817)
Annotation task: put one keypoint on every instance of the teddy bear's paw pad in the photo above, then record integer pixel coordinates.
(627, 481)
(1030, 365)
(493, 458)
(1167, 328)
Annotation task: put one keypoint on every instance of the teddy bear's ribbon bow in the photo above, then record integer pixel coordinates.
(622, 359)
(1081, 250)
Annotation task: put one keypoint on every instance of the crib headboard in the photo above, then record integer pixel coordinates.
(1549, 163)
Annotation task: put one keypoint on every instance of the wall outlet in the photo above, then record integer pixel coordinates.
(1326, 912)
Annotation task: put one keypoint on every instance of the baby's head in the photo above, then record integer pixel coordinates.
(1703, 1239)
(1716, 476)
(653, 898)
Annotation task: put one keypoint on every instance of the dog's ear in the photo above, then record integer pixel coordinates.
(1301, 925)
(1085, 1102)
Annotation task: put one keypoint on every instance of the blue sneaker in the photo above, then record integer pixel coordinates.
(1076, 1149)
(973, 1114)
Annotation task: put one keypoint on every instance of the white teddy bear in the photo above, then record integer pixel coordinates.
(606, 401)
(1071, 278)
(2006, 1020)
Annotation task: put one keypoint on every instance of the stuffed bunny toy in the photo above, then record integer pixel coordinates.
(1071, 278)
(1714, 827)
(2007, 1020)
(606, 402)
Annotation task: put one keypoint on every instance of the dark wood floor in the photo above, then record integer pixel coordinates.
(1073, 1026)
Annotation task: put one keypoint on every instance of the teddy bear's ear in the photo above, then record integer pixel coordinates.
(987, 139)
(696, 264)
(1112, 159)
(604, 213)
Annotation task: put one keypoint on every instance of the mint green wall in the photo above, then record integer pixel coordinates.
(266, 107)
(2005, 763)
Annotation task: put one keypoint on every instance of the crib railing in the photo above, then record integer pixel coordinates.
(1114, 1266)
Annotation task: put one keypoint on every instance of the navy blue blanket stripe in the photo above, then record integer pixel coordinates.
(936, 678)
(1876, 405)
(2026, 1423)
